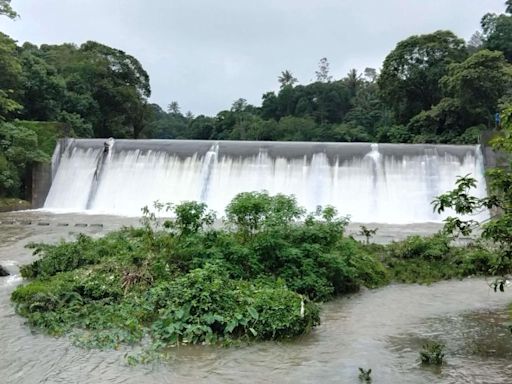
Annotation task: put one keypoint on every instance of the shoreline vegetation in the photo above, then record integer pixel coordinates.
(261, 276)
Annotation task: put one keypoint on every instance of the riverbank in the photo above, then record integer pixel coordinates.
(8, 204)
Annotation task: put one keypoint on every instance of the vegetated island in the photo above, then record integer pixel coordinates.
(261, 276)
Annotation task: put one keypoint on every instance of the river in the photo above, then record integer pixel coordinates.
(382, 329)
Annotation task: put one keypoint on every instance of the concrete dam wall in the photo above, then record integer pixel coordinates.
(382, 183)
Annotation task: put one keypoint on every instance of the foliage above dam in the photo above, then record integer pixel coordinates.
(432, 88)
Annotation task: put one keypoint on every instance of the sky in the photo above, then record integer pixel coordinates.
(206, 54)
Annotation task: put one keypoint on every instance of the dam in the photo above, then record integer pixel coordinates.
(379, 183)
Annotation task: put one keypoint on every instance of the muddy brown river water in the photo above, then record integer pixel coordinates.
(382, 329)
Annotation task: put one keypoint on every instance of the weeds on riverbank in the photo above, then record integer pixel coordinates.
(428, 259)
(259, 277)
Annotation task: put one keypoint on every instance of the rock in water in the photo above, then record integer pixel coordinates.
(3, 271)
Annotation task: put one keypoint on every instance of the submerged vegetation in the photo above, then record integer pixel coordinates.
(365, 375)
(432, 353)
(258, 277)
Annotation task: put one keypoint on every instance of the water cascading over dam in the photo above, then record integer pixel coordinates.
(382, 183)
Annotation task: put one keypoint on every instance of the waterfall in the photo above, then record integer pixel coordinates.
(382, 183)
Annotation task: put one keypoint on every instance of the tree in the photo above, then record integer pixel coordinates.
(250, 212)
(10, 73)
(43, 89)
(409, 80)
(367, 109)
(296, 129)
(472, 89)
(286, 79)
(174, 108)
(239, 105)
(75, 123)
(353, 81)
(476, 42)
(121, 88)
(322, 75)
(161, 125)
(370, 74)
(238, 109)
(497, 31)
(202, 127)
(480, 81)
(18, 150)
(105, 86)
(6, 9)
(442, 123)
(91, 86)
(508, 3)
(498, 230)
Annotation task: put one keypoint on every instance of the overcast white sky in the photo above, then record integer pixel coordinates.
(205, 54)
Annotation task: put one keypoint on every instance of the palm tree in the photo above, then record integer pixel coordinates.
(173, 108)
(286, 78)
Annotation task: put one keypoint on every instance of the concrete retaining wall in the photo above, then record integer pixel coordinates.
(41, 183)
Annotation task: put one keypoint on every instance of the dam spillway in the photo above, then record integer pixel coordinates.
(381, 183)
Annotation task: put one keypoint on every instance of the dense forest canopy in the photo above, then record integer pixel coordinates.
(432, 88)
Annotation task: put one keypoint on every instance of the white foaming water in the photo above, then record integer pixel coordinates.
(372, 183)
(73, 179)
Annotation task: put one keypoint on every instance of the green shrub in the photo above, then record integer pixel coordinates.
(249, 212)
(206, 306)
(66, 256)
(431, 248)
(429, 259)
(123, 246)
(476, 260)
(192, 216)
(432, 353)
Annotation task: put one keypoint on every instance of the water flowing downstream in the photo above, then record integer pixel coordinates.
(383, 183)
(382, 329)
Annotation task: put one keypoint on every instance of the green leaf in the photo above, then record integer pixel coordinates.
(253, 312)
(231, 325)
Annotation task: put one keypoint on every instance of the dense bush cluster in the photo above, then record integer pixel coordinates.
(428, 259)
(260, 276)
